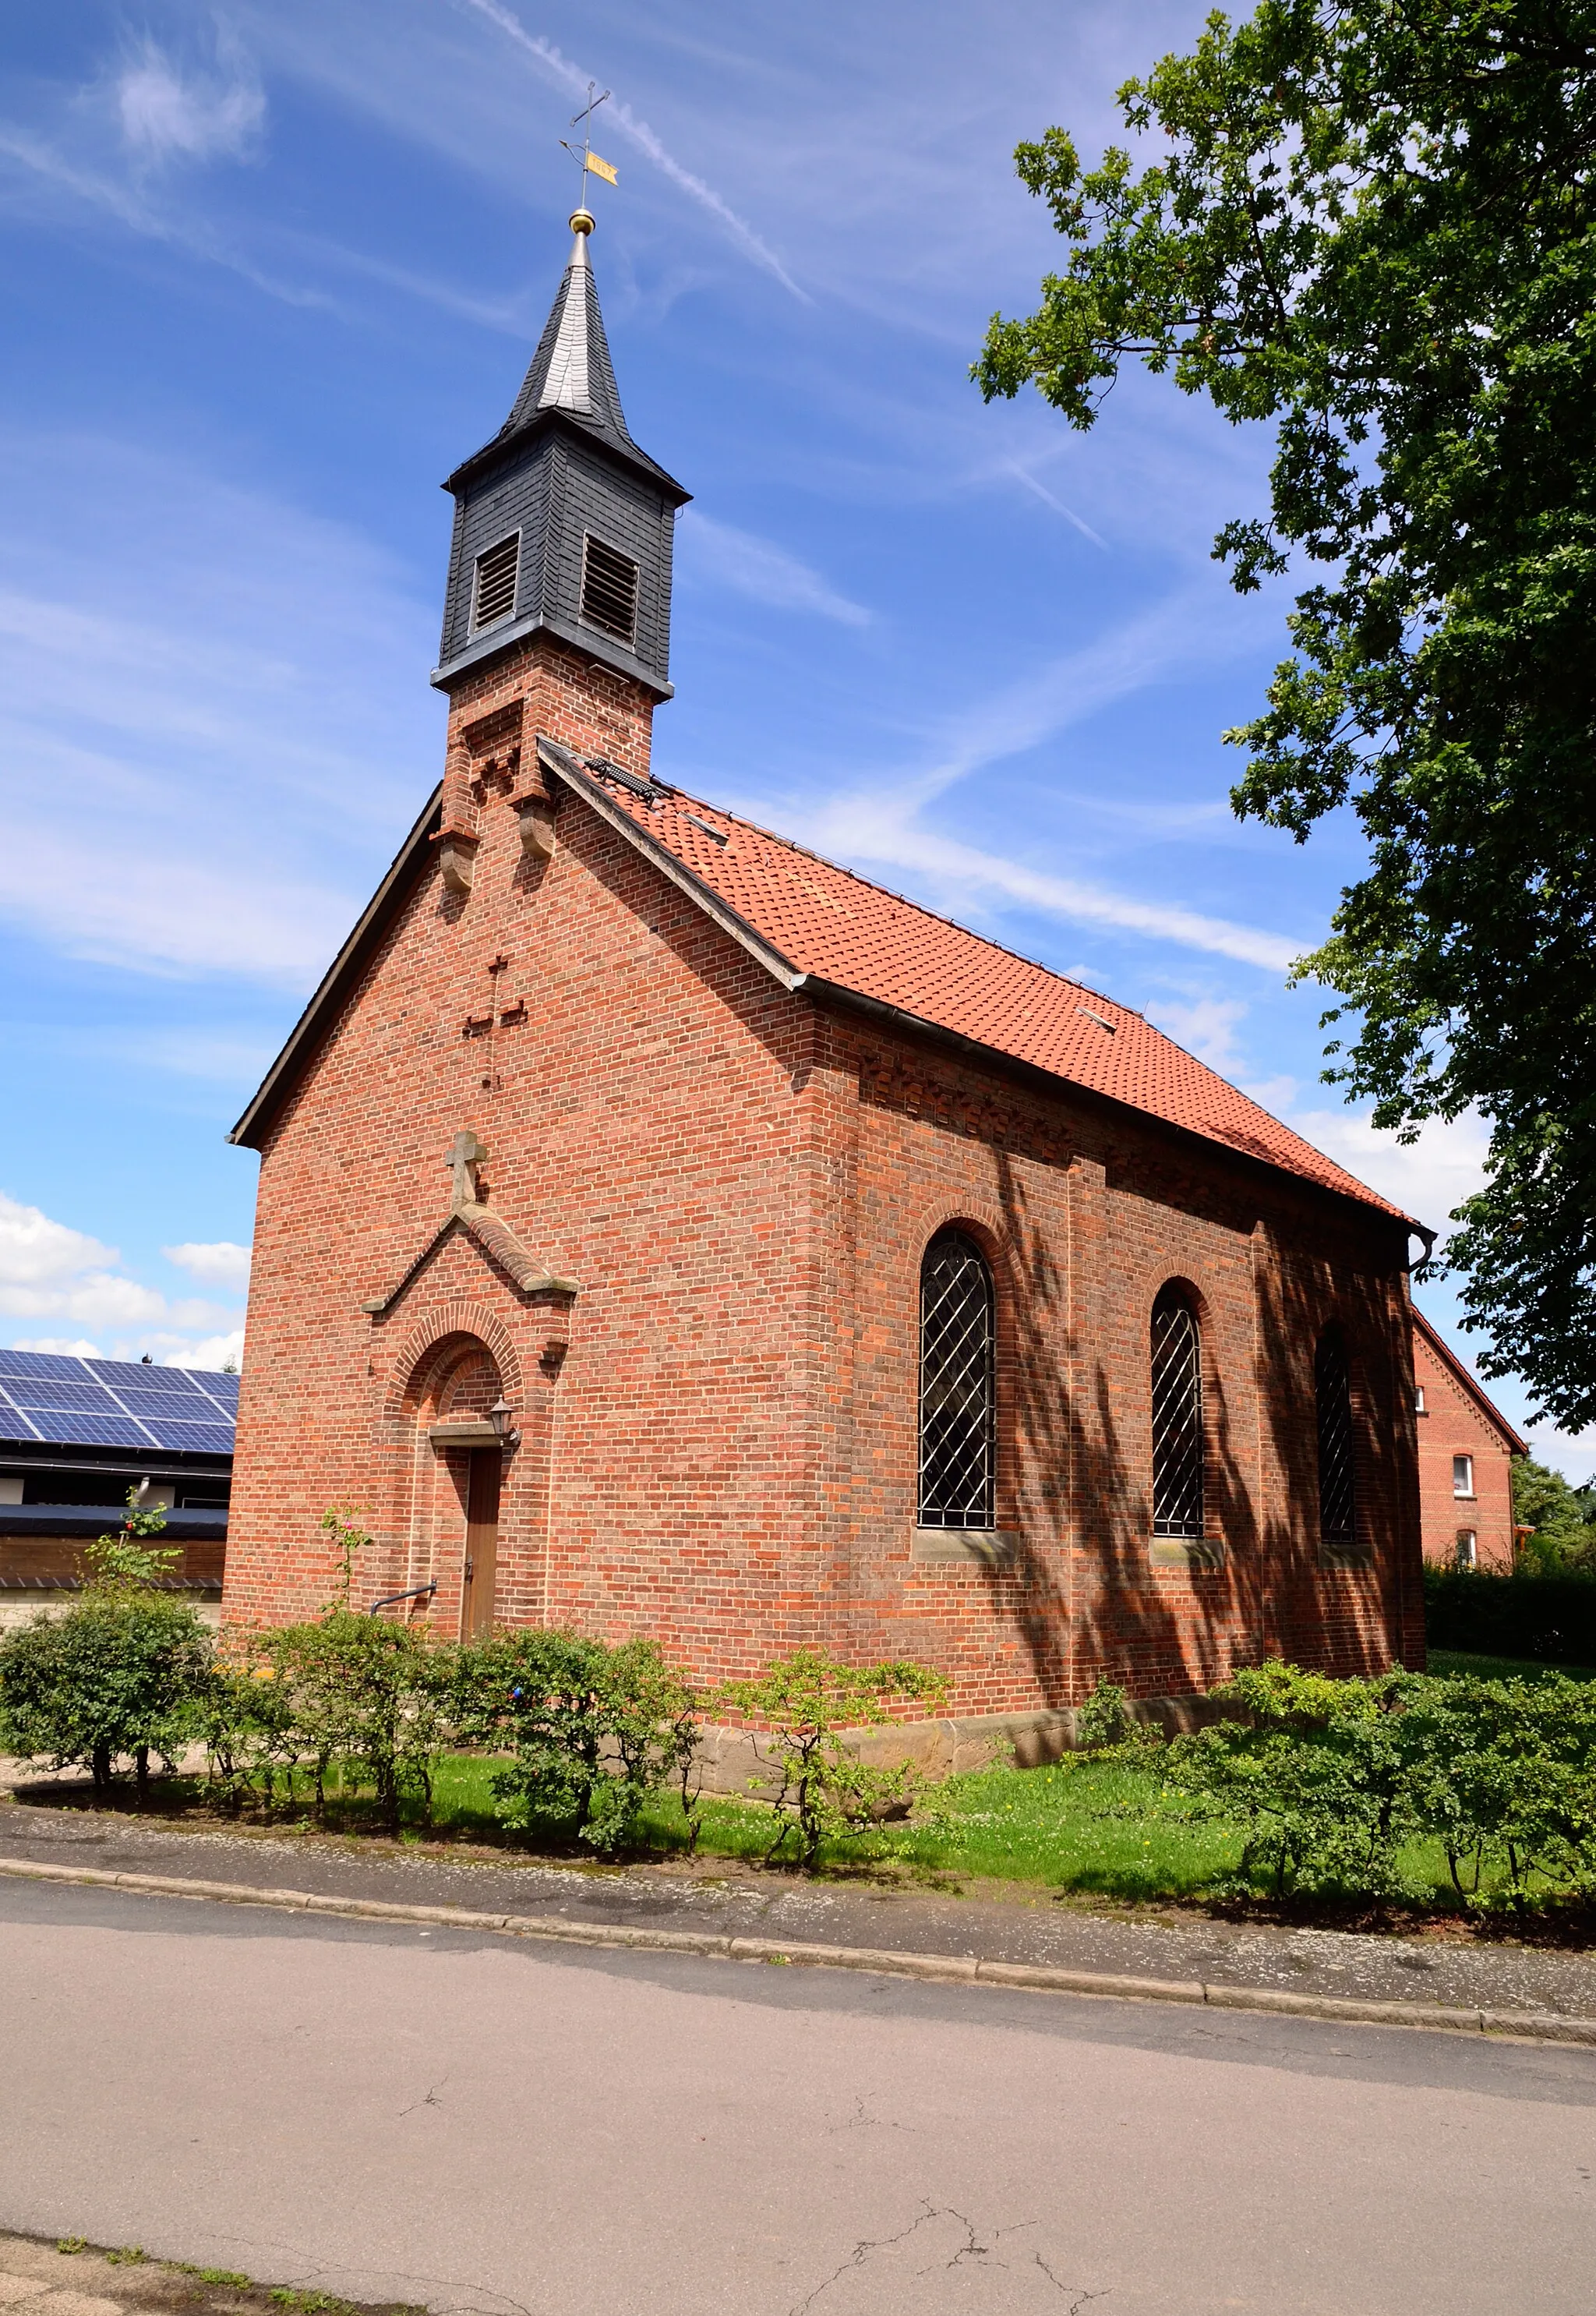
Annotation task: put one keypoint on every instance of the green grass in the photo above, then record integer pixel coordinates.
(1461, 1661)
(1085, 1825)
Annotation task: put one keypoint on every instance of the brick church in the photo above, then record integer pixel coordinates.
(663, 1231)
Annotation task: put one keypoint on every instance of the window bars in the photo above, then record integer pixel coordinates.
(1333, 1389)
(958, 1385)
(1177, 1417)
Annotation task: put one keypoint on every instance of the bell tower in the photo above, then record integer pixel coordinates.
(556, 618)
(563, 526)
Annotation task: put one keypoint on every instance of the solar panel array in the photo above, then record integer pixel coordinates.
(63, 1402)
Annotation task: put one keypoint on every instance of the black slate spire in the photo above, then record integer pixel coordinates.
(572, 369)
(561, 521)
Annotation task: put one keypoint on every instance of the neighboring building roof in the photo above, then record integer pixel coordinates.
(810, 920)
(1460, 1375)
(48, 1398)
(200, 1524)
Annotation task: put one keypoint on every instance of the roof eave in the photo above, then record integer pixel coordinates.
(555, 420)
(312, 1024)
(1477, 1391)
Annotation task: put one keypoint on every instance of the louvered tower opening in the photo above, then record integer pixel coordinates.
(1177, 1417)
(1338, 1494)
(958, 1385)
(609, 590)
(497, 571)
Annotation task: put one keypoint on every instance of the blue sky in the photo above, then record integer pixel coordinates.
(270, 271)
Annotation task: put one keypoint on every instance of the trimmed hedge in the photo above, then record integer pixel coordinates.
(1552, 1617)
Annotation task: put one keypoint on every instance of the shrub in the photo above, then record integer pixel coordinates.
(593, 1730)
(116, 1679)
(1106, 1724)
(1524, 1615)
(1329, 1780)
(804, 1703)
(370, 1694)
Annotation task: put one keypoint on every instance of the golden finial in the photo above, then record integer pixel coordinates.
(582, 221)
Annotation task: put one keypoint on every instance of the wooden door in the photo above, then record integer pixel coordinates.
(482, 1542)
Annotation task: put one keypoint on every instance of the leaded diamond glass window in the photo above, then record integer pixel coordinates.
(1177, 1417)
(958, 1385)
(1333, 1387)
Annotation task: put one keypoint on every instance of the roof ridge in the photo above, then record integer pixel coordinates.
(840, 868)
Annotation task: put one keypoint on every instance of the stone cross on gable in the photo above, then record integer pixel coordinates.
(466, 1154)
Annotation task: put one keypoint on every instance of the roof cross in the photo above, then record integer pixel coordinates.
(466, 1154)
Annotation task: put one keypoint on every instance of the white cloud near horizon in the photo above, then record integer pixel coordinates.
(218, 1262)
(48, 1270)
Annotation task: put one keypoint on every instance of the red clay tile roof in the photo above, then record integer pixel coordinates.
(833, 925)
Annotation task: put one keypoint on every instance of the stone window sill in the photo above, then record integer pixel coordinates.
(1188, 1552)
(986, 1547)
(1354, 1555)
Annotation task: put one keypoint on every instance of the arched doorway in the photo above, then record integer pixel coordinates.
(462, 1462)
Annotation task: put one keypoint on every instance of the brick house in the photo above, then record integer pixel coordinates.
(1465, 1451)
(662, 1230)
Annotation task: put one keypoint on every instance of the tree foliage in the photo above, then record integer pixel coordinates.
(1372, 226)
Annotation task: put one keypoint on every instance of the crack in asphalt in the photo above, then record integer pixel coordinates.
(972, 2249)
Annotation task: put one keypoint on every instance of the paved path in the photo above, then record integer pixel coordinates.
(1026, 1926)
(397, 2114)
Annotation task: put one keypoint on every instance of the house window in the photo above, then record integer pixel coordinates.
(1462, 1475)
(1467, 1548)
(1333, 1390)
(493, 596)
(958, 1385)
(609, 590)
(1177, 1416)
(1419, 1407)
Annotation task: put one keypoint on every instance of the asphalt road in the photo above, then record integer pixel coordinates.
(475, 2124)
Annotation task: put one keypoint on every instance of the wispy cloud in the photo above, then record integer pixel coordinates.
(1204, 1026)
(716, 554)
(849, 828)
(139, 655)
(1049, 498)
(129, 206)
(167, 115)
(568, 76)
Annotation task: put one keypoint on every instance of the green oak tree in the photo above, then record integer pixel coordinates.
(1373, 227)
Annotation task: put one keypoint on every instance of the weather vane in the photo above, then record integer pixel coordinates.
(590, 163)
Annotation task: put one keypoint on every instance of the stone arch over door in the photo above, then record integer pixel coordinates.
(456, 1478)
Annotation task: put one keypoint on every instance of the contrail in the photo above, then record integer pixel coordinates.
(571, 76)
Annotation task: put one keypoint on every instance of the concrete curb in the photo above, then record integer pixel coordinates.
(1524, 2026)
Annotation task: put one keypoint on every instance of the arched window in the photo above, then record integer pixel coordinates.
(958, 1385)
(1333, 1389)
(1177, 1416)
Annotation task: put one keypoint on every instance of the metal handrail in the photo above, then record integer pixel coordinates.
(417, 1592)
